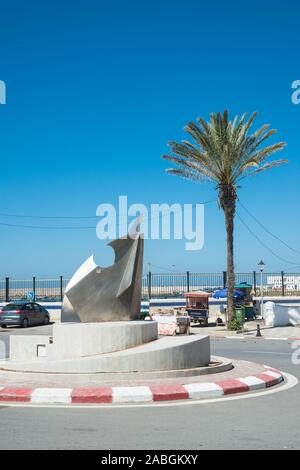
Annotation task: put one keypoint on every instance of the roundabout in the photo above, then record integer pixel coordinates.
(111, 382)
(265, 419)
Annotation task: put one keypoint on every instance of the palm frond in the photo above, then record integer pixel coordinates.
(190, 175)
(268, 166)
(224, 150)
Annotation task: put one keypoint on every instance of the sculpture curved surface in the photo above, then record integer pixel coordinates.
(96, 294)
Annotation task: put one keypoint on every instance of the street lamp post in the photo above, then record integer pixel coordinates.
(261, 266)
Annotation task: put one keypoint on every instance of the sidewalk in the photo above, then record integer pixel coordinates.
(279, 332)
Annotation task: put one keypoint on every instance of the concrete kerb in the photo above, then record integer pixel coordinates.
(143, 393)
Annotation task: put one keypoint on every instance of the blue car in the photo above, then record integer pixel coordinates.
(23, 314)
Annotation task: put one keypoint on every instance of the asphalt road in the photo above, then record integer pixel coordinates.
(265, 422)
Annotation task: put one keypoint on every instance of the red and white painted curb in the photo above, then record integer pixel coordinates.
(142, 394)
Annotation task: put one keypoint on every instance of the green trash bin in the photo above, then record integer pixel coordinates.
(240, 314)
(249, 312)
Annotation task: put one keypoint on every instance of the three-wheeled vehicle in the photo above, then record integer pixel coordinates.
(197, 306)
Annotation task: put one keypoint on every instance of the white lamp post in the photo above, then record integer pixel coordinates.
(261, 266)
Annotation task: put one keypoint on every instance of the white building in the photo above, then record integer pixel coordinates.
(290, 282)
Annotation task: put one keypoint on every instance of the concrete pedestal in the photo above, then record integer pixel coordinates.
(75, 340)
(110, 347)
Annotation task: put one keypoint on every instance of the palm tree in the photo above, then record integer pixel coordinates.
(224, 152)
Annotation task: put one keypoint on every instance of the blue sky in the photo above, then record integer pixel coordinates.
(96, 89)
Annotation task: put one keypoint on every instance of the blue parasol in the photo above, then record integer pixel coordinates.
(222, 294)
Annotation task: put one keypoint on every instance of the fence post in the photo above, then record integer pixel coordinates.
(61, 288)
(33, 287)
(282, 284)
(149, 284)
(224, 279)
(188, 281)
(7, 289)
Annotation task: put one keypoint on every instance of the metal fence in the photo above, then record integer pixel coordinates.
(42, 289)
(158, 285)
(272, 284)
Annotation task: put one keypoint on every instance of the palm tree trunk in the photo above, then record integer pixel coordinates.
(227, 200)
(229, 221)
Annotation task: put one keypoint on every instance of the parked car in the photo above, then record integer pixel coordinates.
(23, 314)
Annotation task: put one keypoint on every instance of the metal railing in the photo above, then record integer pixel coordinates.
(157, 285)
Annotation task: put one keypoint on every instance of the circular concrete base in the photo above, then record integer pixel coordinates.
(217, 365)
(107, 348)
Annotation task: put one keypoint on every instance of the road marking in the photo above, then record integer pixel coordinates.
(252, 337)
(267, 352)
(291, 382)
(276, 339)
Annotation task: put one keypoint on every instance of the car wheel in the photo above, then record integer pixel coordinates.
(3, 326)
(46, 321)
(25, 323)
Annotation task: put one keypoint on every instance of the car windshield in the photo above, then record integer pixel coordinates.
(12, 307)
